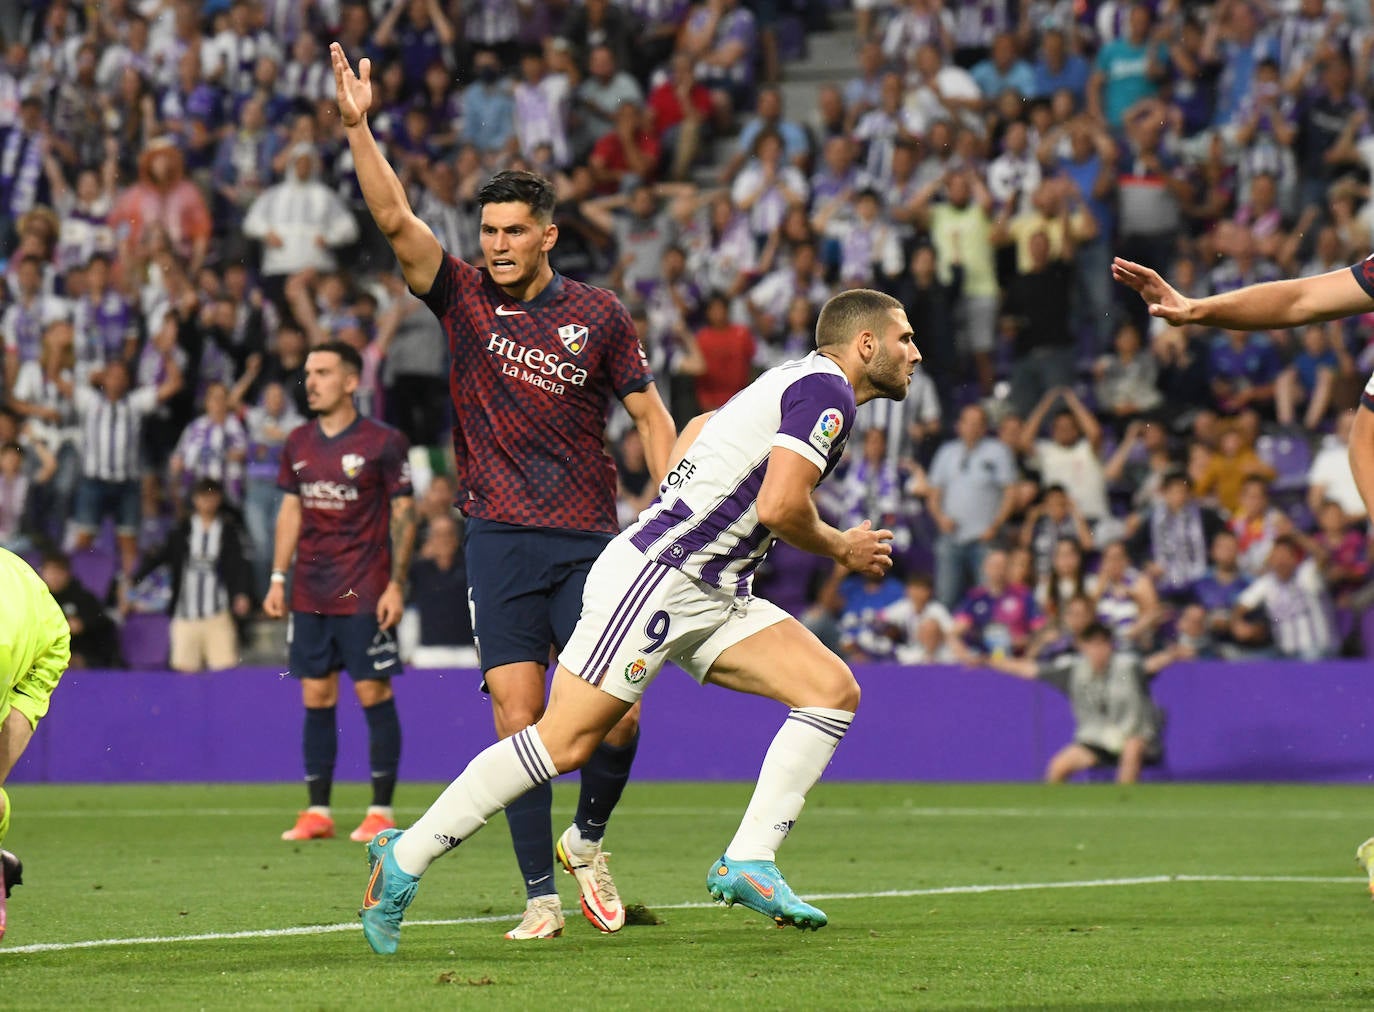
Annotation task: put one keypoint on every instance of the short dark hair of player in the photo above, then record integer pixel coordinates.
(348, 354)
(1096, 631)
(851, 312)
(515, 187)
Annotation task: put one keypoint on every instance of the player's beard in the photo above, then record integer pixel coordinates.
(888, 375)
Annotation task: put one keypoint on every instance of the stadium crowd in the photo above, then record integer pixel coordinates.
(180, 223)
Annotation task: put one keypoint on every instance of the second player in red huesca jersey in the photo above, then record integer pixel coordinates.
(345, 483)
(531, 384)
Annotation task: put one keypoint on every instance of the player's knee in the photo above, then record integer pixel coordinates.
(840, 691)
(319, 692)
(511, 718)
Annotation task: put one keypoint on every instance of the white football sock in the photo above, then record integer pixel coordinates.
(795, 761)
(495, 778)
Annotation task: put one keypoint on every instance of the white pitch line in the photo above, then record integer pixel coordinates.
(834, 811)
(958, 890)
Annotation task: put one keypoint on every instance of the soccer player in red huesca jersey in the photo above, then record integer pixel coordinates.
(536, 360)
(348, 517)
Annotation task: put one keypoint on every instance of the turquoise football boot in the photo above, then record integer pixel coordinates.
(759, 886)
(389, 891)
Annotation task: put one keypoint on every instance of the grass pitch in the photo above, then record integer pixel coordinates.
(939, 896)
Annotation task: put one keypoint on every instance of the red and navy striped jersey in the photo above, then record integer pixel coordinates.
(346, 483)
(531, 384)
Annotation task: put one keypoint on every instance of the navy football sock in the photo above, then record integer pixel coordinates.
(321, 742)
(384, 739)
(603, 781)
(532, 833)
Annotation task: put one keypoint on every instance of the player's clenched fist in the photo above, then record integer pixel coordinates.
(867, 551)
(354, 90)
(274, 604)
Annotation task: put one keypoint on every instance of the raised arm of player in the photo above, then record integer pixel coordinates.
(786, 509)
(392, 602)
(283, 548)
(656, 429)
(415, 246)
(1272, 305)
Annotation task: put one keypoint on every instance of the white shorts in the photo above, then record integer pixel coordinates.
(638, 614)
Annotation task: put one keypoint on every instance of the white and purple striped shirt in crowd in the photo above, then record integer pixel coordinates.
(112, 432)
(104, 324)
(706, 520)
(21, 327)
(204, 449)
(203, 593)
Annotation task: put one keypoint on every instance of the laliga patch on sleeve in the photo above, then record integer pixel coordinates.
(827, 429)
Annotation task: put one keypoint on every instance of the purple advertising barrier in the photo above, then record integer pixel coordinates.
(1226, 721)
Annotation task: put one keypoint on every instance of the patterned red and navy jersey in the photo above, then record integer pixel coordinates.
(345, 483)
(531, 384)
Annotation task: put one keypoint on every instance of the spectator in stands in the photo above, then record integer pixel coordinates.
(863, 634)
(934, 302)
(768, 115)
(1038, 301)
(1069, 457)
(300, 222)
(720, 37)
(681, 115)
(1341, 552)
(268, 425)
(243, 164)
(918, 625)
(1310, 378)
(1287, 606)
(1125, 598)
(767, 186)
(1257, 525)
(1065, 579)
(23, 185)
(211, 582)
(1058, 68)
(970, 496)
(871, 488)
(24, 320)
(726, 356)
(1126, 382)
(1052, 520)
(1228, 470)
(44, 394)
(1116, 723)
(1004, 70)
(489, 111)
(95, 642)
(213, 447)
(106, 323)
(438, 577)
(111, 467)
(84, 211)
(961, 233)
(1218, 591)
(1061, 631)
(996, 617)
(17, 498)
(1330, 477)
(627, 155)
(162, 201)
(601, 94)
(1127, 70)
(1330, 120)
(1175, 534)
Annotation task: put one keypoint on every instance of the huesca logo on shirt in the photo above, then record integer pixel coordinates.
(352, 463)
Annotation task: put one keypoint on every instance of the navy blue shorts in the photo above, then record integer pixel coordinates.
(321, 644)
(525, 587)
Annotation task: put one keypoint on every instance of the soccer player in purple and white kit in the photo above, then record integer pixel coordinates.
(537, 359)
(348, 516)
(676, 586)
(1276, 305)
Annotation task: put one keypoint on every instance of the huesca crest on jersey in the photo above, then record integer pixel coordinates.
(574, 337)
(352, 464)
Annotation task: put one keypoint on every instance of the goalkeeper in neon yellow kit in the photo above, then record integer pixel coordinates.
(34, 651)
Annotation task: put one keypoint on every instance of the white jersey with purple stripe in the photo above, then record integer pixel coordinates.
(706, 521)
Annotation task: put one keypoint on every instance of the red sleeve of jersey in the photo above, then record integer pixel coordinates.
(455, 277)
(396, 466)
(286, 475)
(625, 362)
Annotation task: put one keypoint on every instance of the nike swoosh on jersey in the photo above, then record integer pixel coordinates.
(501, 310)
